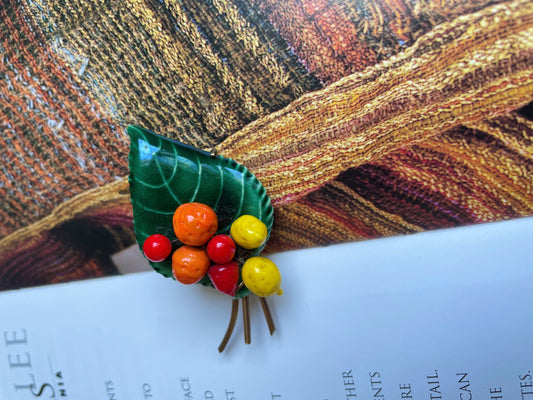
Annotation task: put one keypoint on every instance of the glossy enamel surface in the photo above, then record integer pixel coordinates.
(165, 174)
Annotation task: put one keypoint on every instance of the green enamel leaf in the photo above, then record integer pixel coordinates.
(165, 174)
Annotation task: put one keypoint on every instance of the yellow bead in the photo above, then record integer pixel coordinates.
(249, 232)
(261, 276)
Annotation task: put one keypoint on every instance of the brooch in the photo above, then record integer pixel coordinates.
(202, 218)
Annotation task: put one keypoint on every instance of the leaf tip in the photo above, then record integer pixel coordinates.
(133, 131)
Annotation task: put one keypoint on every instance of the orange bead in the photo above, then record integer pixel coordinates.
(189, 264)
(194, 223)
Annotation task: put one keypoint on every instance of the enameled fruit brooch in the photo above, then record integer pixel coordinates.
(202, 218)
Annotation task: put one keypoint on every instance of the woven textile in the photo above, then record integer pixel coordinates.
(361, 118)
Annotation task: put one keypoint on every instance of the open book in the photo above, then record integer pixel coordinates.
(436, 315)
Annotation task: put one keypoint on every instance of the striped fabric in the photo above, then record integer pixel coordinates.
(362, 118)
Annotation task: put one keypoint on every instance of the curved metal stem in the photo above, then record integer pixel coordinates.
(268, 315)
(231, 325)
(246, 320)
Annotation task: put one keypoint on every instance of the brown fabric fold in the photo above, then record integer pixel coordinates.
(362, 119)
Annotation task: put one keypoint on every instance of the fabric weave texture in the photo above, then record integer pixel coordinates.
(362, 118)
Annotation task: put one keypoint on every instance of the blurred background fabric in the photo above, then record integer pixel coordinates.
(362, 118)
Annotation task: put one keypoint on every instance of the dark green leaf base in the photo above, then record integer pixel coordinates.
(165, 173)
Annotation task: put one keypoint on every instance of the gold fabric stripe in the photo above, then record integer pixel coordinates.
(469, 192)
(251, 41)
(300, 224)
(415, 96)
(515, 132)
(497, 173)
(115, 193)
(318, 229)
(173, 52)
(357, 207)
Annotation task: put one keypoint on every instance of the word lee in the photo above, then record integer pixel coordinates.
(19, 360)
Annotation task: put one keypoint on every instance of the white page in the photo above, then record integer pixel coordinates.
(444, 314)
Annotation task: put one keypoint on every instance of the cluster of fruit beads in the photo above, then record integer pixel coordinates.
(202, 252)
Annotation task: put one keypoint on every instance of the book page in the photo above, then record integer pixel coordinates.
(436, 315)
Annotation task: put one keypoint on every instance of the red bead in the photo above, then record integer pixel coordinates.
(225, 277)
(157, 247)
(221, 249)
